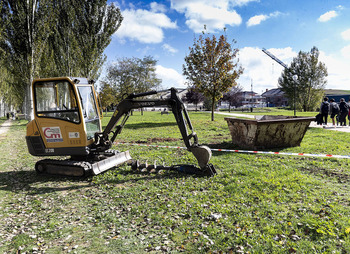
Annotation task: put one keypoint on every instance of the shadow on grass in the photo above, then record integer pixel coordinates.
(147, 125)
(135, 176)
(24, 181)
(31, 183)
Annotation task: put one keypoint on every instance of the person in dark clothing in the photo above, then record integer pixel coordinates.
(324, 110)
(344, 111)
(333, 110)
(349, 111)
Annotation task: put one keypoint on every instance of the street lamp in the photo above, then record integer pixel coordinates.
(295, 79)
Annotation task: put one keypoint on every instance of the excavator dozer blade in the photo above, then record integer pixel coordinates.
(111, 161)
(79, 168)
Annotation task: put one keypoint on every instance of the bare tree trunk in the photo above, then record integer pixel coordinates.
(212, 108)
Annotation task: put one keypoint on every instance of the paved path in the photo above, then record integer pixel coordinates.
(235, 114)
(330, 126)
(5, 127)
(312, 124)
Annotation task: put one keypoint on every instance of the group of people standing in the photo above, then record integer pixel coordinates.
(338, 111)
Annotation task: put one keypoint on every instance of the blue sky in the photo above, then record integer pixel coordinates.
(165, 29)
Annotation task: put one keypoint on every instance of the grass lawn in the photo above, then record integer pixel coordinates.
(256, 203)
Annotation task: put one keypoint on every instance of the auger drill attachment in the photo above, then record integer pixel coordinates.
(67, 122)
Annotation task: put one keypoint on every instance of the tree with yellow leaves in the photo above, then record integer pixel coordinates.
(212, 67)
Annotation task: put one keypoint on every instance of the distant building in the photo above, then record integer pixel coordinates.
(275, 98)
(337, 94)
(252, 99)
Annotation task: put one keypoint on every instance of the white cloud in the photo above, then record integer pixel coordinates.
(340, 7)
(144, 26)
(346, 52)
(346, 35)
(260, 70)
(264, 72)
(170, 77)
(169, 48)
(156, 7)
(243, 2)
(338, 70)
(327, 16)
(256, 20)
(214, 14)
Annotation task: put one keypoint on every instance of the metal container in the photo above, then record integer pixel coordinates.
(268, 131)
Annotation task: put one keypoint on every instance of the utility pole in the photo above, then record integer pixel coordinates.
(251, 95)
(295, 77)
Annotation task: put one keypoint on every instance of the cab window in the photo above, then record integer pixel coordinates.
(55, 99)
(89, 109)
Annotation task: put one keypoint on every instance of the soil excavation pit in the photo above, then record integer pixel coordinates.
(268, 131)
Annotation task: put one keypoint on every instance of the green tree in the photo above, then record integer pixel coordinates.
(2, 29)
(96, 21)
(212, 67)
(192, 96)
(108, 95)
(26, 32)
(233, 97)
(63, 53)
(132, 75)
(8, 94)
(82, 31)
(55, 38)
(308, 88)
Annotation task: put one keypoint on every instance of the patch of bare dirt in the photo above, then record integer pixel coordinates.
(156, 140)
(339, 175)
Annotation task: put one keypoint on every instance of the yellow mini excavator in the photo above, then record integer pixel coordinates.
(67, 122)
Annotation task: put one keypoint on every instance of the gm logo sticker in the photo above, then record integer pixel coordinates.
(53, 134)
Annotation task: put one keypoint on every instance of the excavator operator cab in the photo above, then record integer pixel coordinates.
(66, 117)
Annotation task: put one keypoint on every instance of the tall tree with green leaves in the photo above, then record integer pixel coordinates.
(212, 67)
(96, 22)
(308, 88)
(55, 38)
(132, 75)
(2, 29)
(108, 95)
(63, 53)
(26, 33)
(82, 31)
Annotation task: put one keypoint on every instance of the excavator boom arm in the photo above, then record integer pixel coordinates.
(174, 102)
(103, 142)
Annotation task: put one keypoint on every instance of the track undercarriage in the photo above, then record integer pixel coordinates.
(83, 166)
